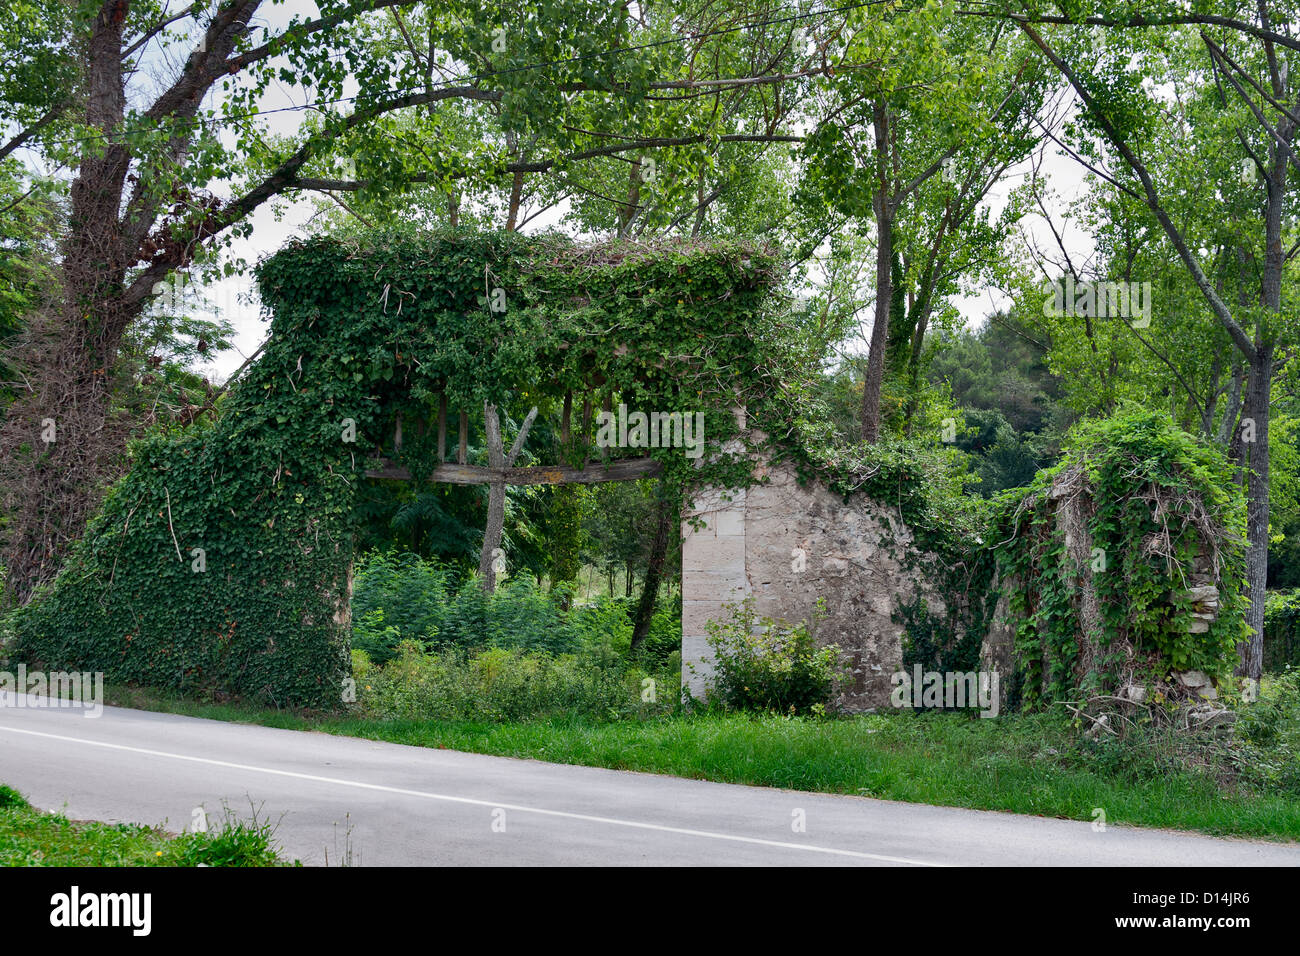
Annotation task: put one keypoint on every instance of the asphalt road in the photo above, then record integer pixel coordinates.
(412, 806)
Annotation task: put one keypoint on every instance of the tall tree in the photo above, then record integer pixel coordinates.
(1132, 79)
(163, 177)
(912, 146)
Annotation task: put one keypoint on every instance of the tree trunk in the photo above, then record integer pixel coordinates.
(52, 488)
(69, 353)
(666, 519)
(875, 374)
(516, 196)
(884, 210)
(1256, 411)
(496, 511)
(1259, 384)
(627, 212)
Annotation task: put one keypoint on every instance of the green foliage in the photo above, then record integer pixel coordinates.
(1011, 411)
(235, 843)
(1163, 509)
(363, 332)
(29, 837)
(619, 528)
(397, 597)
(564, 530)
(1269, 732)
(768, 666)
(402, 598)
(944, 643)
(508, 684)
(1282, 630)
(926, 484)
(1002, 458)
(998, 368)
(662, 647)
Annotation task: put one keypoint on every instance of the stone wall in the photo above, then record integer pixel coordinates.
(788, 545)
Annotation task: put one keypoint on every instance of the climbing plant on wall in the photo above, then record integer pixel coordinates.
(221, 560)
(1125, 559)
(940, 532)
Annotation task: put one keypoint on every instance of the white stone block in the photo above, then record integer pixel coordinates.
(714, 586)
(720, 554)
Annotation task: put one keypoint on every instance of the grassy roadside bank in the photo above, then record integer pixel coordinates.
(1022, 763)
(31, 837)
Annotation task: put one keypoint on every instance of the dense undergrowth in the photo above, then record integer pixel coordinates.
(428, 643)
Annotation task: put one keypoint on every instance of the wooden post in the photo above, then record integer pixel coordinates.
(609, 410)
(586, 426)
(462, 456)
(442, 427)
(496, 510)
(498, 461)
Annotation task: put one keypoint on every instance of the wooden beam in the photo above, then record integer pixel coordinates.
(624, 469)
(518, 446)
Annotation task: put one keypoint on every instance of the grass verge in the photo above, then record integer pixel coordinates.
(31, 837)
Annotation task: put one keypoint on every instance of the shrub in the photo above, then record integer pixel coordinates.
(403, 597)
(396, 597)
(766, 665)
(1257, 753)
(1270, 733)
(603, 627)
(520, 616)
(664, 642)
(236, 843)
(1282, 629)
(504, 684)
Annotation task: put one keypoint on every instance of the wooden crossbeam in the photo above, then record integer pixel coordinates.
(624, 469)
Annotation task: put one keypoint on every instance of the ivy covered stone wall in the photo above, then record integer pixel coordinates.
(221, 559)
(1122, 568)
(1119, 571)
(876, 544)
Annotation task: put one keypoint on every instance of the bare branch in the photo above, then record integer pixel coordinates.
(1153, 201)
(1138, 21)
(25, 136)
(156, 29)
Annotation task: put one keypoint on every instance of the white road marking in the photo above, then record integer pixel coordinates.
(483, 803)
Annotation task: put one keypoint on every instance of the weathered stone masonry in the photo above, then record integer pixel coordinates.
(853, 556)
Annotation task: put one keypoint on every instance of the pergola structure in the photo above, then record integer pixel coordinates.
(389, 343)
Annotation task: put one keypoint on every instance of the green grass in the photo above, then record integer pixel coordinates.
(30, 837)
(1022, 763)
